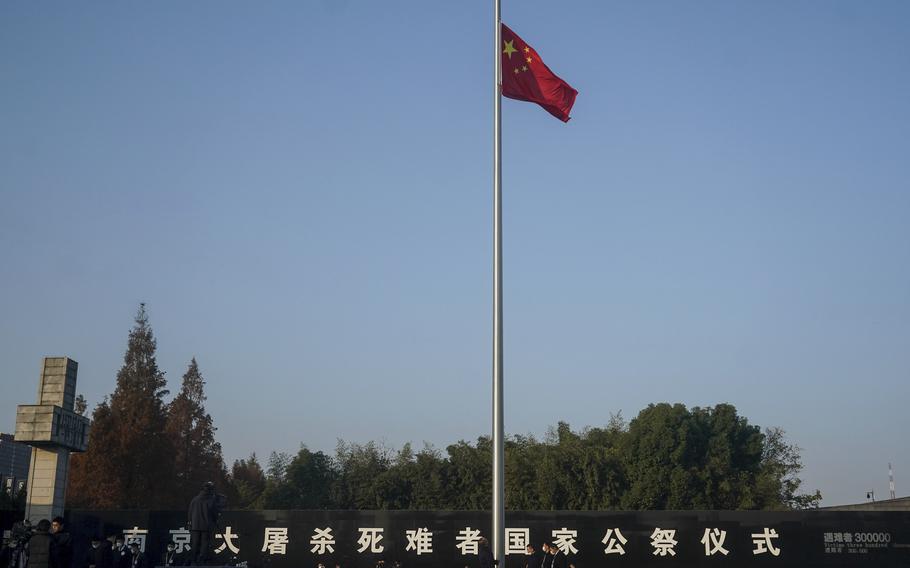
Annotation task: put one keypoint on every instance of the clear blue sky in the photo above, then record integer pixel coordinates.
(300, 191)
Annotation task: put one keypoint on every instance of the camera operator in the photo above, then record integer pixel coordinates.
(17, 548)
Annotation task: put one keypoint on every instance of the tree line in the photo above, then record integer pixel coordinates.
(149, 453)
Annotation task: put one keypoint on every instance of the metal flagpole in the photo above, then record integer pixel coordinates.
(498, 450)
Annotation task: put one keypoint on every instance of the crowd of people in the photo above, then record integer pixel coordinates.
(549, 556)
(48, 544)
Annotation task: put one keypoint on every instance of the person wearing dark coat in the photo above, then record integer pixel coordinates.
(485, 555)
(533, 558)
(559, 559)
(171, 557)
(139, 559)
(99, 555)
(6, 554)
(39, 546)
(202, 520)
(61, 545)
(546, 559)
(120, 553)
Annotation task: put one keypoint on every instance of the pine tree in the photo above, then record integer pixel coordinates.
(248, 481)
(128, 463)
(197, 456)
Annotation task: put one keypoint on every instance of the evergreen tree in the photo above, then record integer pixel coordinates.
(128, 463)
(196, 454)
(362, 468)
(247, 482)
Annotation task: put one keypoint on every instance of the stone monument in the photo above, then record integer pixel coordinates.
(53, 430)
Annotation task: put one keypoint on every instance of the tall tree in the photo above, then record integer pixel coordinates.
(779, 482)
(362, 468)
(191, 430)
(248, 481)
(128, 463)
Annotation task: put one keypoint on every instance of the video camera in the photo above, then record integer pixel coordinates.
(21, 533)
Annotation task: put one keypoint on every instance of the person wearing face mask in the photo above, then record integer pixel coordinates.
(546, 560)
(171, 556)
(558, 557)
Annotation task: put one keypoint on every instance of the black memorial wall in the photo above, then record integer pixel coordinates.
(302, 539)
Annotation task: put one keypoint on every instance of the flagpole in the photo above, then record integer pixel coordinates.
(498, 448)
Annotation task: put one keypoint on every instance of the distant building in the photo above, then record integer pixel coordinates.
(899, 504)
(14, 463)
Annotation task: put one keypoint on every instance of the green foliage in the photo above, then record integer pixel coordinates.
(247, 481)
(191, 431)
(706, 458)
(781, 464)
(146, 453)
(668, 457)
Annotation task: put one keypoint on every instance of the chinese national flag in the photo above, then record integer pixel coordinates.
(526, 78)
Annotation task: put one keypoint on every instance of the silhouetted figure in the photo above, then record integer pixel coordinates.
(484, 554)
(61, 545)
(39, 546)
(99, 555)
(138, 557)
(202, 521)
(171, 557)
(120, 552)
(533, 558)
(559, 559)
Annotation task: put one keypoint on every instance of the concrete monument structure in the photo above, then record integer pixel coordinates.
(53, 430)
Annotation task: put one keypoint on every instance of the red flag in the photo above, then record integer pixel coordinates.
(526, 78)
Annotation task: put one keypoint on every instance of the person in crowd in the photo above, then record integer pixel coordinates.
(61, 545)
(106, 553)
(533, 558)
(137, 556)
(559, 558)
(6, 553)
(39, 546)
(546, 559)
(485, 554)
(171, 556)
(99, 555)
(202, 521)
(120, 553)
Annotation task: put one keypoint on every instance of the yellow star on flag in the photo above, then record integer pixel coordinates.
(509, 49)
